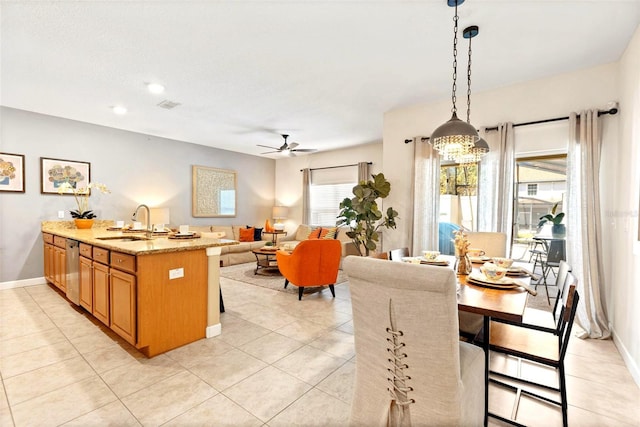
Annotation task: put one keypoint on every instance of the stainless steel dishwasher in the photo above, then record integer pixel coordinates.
(73, 265)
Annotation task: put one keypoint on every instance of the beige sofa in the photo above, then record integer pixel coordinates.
(241, 253)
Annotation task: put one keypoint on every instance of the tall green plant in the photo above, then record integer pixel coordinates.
(362, 215)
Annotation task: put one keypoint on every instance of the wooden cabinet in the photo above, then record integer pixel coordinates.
(101, 292)
(86, 283)
(156, 301)
(48, 257)
(123, 304)
(55, 260)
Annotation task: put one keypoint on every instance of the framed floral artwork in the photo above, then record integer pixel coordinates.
(55, 172)
(12, 172)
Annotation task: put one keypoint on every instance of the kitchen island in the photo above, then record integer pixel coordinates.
(157, 293)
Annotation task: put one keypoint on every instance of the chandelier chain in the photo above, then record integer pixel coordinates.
(469, 84)
(455, 59)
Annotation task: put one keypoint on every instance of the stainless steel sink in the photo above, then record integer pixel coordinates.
(122, 238)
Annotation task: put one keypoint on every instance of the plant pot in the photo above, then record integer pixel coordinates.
(559, 231)
(82, 223)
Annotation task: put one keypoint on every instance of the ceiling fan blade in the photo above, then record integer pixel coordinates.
(305, 150)
(271, 152)
(266, 146)
(293, 145)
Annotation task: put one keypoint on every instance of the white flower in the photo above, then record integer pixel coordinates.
(81, 195)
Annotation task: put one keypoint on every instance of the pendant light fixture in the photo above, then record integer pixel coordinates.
(455, 136)
(480, 148)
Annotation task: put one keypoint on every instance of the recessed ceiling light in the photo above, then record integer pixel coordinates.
(118, 109)
(155, 87)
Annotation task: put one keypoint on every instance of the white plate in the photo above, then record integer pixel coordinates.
(437, 261)
(477, 259)
(479, 277)
(184, 234)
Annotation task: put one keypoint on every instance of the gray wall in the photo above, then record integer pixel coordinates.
(137, 168)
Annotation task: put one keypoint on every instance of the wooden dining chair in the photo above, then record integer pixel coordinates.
(546, 346)
(545, 318)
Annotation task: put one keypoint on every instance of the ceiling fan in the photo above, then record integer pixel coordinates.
(288, 149)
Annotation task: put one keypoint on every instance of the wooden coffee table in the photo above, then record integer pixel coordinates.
(266, 261)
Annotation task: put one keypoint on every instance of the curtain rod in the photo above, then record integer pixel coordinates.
(333, 167)
(612, 110)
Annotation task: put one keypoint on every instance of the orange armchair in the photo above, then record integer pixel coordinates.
(312, 263)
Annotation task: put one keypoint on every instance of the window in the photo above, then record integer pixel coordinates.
(325, 202)
(541, 183)
(329, 187)
(458, 191)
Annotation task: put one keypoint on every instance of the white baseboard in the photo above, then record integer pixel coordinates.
(22, 283)
(628, 360)
(213, 330)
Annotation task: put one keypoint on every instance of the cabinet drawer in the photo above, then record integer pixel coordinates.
(60, 242)
(123, 261)
(47, 238)
(85, 250)
(101, 255)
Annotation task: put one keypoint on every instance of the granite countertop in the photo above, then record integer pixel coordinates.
(157, 244)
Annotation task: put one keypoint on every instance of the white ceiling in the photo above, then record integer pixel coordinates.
(322, 71)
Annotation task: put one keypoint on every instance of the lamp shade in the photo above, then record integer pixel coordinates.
(280, 212)
(159, 216)
(475, 153)
(454, 137)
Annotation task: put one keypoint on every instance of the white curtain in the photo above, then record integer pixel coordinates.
(426, 197)
(584, 232)
(306, 201)
(363, 171)
(496, 182)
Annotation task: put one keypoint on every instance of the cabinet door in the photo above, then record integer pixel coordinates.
(123, 305)
(48, 262)
(101, 292)
(86, 284)
(60, 268)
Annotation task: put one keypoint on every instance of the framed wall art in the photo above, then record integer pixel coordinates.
(213, 192)
(55, 172)
(12, 172)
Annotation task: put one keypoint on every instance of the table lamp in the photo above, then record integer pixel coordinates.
(279, 212)
(159, 217)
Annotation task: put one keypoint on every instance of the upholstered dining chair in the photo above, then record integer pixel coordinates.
(492, 243)
(312, 262)
(546, 346)
(411, 368)
(398, 254)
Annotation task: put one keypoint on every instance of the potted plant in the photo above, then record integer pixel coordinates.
(558, 229)
(362, 215)
(82, 216)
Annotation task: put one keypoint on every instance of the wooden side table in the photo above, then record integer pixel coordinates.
(274, 235)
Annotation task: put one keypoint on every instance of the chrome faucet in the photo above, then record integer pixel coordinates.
(149, 232)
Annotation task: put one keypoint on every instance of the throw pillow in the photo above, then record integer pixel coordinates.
(257, 233)
(246, 234)
(329, 233)
(315, 233)
(303, 232)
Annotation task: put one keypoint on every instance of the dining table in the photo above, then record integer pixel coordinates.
(491, 303)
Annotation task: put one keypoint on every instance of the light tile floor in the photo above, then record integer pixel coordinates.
(278, 362)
